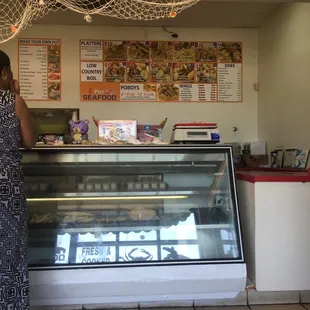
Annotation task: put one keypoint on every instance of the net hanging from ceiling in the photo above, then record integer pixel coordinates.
(16, 15)
(129, 9)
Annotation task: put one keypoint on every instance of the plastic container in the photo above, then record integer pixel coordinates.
(89, 186)
(81, 186)
(138, 186)
(97, 187)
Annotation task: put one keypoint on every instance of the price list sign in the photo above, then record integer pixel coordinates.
(230, 82)
(148, 71)
(40, 69)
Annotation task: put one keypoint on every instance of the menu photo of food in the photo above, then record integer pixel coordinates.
(229, 52)
(149, 87)
(206, 73)
(53, 59)
(184, 73)
(54, 89)
(115, 50)
(184, 51)
(115, 71)
(206, 52)
(54, 67)
(161, 72)
(54, 50)
(168, 92)
(138, 51)
(161, 51)
(54, 72)
(137, 72)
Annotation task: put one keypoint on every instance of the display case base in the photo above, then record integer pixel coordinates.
(136, 284)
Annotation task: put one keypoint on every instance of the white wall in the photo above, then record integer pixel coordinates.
(284, 77)
(242, 115)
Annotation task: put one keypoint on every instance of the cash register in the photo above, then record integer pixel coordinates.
(196, 132)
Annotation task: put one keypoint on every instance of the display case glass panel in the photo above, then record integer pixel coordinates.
(129, 206)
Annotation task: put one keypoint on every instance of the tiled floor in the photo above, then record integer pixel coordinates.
(267, 307)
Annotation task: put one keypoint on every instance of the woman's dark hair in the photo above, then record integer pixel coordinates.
(4, 60)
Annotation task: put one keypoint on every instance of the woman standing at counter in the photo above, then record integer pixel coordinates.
(16, 128)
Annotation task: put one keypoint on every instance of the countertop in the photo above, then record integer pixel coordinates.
(273, 175)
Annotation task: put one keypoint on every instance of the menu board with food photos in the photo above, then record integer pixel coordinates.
(40, 69)
(136, 71)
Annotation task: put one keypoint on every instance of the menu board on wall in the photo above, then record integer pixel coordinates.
(160, 71)
(40, 69)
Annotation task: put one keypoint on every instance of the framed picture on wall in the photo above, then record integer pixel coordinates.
(289, 159)
(302, 157)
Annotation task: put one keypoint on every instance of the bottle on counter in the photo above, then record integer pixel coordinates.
(246, 149)
(274, 159)
(74, 116)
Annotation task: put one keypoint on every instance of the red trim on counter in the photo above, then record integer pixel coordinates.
(273, 175)
(269, 169)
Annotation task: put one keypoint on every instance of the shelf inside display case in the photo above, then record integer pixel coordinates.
(127, 195)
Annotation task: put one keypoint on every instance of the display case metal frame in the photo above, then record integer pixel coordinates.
(123, 282)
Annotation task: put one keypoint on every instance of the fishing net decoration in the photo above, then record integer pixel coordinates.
(128, 9)
(16, 15)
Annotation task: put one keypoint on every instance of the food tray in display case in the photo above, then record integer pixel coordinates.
(134, 207)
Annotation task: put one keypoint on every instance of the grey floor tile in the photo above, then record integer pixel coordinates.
(116, 306)
(224, 308)
(307, 306)
(73, 307)
(171, 308)
(305, 297)
(175, 305)
(272, 298)
(240, 300)
(278, 307)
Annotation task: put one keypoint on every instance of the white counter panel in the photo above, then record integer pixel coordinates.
(143, 284)
(275, 221)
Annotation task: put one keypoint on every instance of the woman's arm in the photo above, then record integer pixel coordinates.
(27, 123)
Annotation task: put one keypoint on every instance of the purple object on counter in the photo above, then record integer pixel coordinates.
(79, 130)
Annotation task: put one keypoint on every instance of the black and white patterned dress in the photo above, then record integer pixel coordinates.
(14, 285)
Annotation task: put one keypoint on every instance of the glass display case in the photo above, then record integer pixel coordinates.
(98, 210)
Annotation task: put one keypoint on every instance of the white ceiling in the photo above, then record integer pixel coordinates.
(210, 14)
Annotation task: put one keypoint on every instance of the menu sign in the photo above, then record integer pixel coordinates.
(40, 69)
(160, 71)
(230, 82)
(95, 254)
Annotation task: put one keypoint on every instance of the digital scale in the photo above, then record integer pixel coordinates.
(195, 133)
